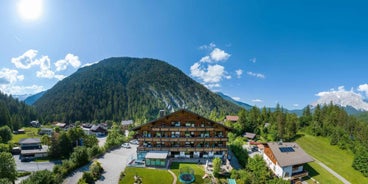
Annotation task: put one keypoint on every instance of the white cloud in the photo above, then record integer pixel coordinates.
(59, 77)
(89, 64)
(211, 74)
(219, 55)
(205, 59)
(236, 98)
(26, 60)
(9, 76)
(258, 75)
(257, 101)
(363, 88)
(45, 68)
(295, 105)
(69, 59)
(209, 46)
(239, 73)
(253, 60)
(21, 90)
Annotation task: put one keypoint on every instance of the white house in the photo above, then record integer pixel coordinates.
(286, 159)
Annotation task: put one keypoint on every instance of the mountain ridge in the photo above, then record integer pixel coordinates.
(128, 88)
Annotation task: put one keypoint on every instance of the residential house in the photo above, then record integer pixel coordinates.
(286, 159)
(125, 124)
(35, 123)
(182, 134)
(47, 131)
(31, 147)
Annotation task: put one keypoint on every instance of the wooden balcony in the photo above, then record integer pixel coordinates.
(299, 175)
(181, 129)
(183, 139)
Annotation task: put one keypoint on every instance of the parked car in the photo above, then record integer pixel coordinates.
(26, 159)
(125, 145)
(134, 141)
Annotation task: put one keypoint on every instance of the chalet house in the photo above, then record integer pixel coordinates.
(126, 123)
(181, 134)
(35, 123)
(233, 119)
(286, 159)
(99, 130)
(47, 131)
(31, 147)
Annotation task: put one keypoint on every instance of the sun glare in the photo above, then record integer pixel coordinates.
(30, 9)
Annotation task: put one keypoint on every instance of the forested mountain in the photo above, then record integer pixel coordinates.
(241, 104)
(14, 113)
(125, 88)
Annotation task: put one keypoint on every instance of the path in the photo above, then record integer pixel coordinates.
(338, 176)
(173, 175)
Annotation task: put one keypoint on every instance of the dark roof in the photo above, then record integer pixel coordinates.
(98, 128)
(30, 141)
(181, 111)
(289, 153)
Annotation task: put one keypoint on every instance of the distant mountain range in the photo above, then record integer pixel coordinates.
(352, 102)
(127, 88)
(241, 104)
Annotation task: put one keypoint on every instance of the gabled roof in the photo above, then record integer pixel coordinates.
(249, 135)
(181, 111)
(289, 153)
(126, 122)
(98, 128)
(232, 118)
(30, 141)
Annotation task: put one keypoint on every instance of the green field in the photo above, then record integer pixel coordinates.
(198, 171)
(29, 133)
(148, 175)
(320, 174)
(338, 160)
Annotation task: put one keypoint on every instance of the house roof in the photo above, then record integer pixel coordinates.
(289, 153)
(180, 111)
(156, 155)
(232, 118)
(30, 141)
(98, 128)
(126, 122)
(249, 135)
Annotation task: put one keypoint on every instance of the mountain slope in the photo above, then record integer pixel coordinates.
(124, 88)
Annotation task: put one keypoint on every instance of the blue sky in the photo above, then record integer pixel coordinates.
(259, 52)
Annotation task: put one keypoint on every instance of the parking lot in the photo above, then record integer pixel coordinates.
(32, 166)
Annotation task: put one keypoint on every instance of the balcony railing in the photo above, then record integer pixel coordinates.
(190, 149)
(182, 128)
(299, 175)
(183, 139)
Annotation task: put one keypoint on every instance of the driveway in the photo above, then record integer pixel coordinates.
(32, 166)
(113, 162)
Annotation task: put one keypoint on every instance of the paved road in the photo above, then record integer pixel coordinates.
(332, 171)
(113, 162)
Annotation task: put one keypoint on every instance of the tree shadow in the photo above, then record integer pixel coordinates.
(297, 136)
(311, 171)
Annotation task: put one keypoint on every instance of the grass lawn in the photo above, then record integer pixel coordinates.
(29, 133)
(338, 160)
(320, 174)
(198, 171)
(148, 175)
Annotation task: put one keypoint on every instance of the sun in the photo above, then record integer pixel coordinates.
(30, 9)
